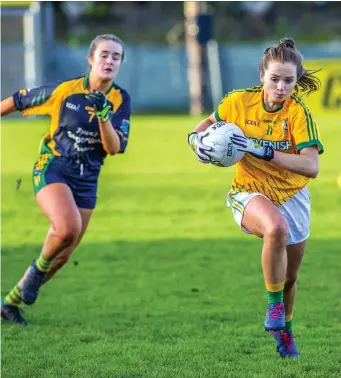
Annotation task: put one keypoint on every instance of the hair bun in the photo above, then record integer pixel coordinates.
(287, 42)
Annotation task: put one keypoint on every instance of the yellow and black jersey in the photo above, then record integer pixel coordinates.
(74, 130)
(288, 129)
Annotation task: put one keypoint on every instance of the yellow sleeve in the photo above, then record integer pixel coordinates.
(304, 128)
(226, 110)
(38, 100)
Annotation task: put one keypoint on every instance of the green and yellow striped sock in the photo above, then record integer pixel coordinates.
(288, 323)
(13, 298)
(43, 264)
(275, 292)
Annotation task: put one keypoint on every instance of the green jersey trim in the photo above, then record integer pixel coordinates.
(312, 130)
(216, 114)
(271, 111)
(314, 142)
(86, 84)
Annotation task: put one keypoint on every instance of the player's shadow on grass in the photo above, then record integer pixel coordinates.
(125, 283)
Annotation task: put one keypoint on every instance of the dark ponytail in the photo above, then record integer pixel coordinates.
(286, 52)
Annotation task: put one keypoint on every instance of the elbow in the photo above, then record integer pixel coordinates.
(314, 173)
(118, 148)
(7, 106)
(315, 170)
(112, 151)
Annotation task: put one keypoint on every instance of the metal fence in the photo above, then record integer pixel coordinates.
(155, 76)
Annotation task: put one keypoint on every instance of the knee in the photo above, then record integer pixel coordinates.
(68, 235)
(290, 282)
(278, 230)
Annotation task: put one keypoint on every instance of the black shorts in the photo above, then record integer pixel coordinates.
(79, 178)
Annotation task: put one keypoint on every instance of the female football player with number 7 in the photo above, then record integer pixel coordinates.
(90, 118)
(269, 196)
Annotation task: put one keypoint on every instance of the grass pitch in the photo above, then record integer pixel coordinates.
(166, 284)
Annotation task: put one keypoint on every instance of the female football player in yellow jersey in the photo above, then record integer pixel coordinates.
(269, 196)
(90, 118)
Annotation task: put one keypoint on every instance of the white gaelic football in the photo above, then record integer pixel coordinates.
(224, 152)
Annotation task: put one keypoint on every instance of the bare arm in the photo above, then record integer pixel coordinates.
(7, 106)
(206, 123)
(110, 140)
(305, 164)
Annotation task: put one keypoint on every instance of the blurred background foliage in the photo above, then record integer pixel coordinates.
(145, 22)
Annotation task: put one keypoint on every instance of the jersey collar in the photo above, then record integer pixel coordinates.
(280, 107)
(86, 84)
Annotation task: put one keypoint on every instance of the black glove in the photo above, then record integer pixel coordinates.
(255, 149)
(101, 104)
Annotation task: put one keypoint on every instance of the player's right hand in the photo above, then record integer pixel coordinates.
(101, 104)
(255, 149)
(200, 149)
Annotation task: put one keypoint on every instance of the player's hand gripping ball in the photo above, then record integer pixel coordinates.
(195, 142)
(223, 152)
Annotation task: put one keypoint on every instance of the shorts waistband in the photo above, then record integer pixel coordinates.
(76, 162)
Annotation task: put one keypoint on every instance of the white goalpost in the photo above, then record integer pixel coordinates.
(32, 46)
(214, 70)
(206, 49)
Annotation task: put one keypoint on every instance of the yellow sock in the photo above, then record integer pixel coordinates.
(275, 292)
(13, 298)
(288, 323)
(43, 264)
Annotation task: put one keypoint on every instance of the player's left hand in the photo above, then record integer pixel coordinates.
(101, 104)
(200, 149)
(255, 149)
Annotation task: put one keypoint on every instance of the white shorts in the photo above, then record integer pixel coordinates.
(296, 211)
